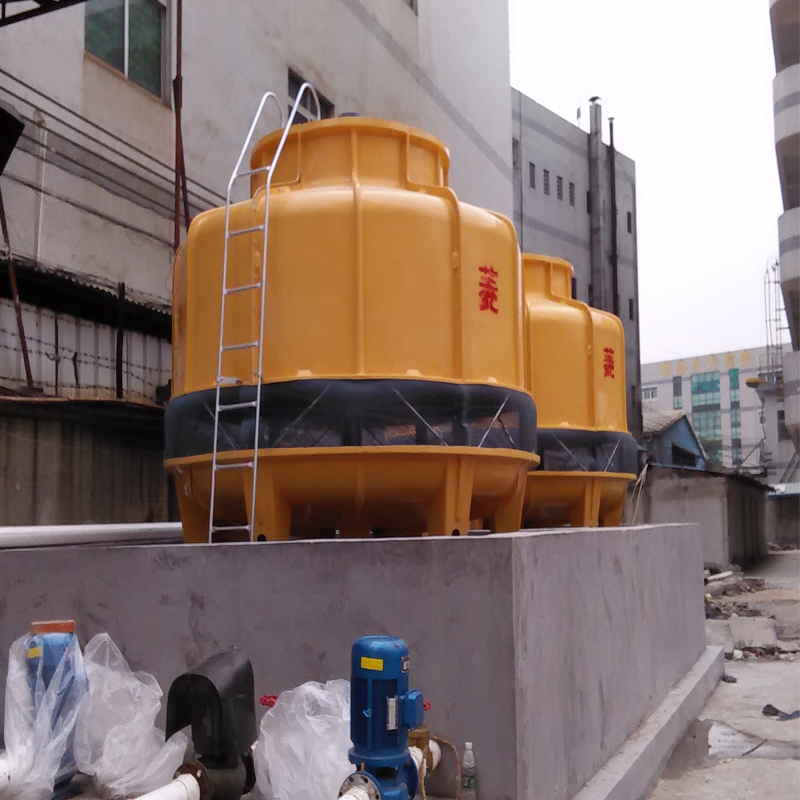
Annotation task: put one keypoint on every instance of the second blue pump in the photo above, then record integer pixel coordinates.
(382, 712)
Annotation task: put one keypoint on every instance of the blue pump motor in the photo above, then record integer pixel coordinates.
(50, 644)
(382, 711)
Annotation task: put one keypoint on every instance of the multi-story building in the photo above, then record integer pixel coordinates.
(720, 393)
(575, 198)
(90, 202)
(785, 19)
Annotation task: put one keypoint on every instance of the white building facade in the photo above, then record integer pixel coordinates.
(88, 191)
(567, 185)
(785, 20)
(736, 429)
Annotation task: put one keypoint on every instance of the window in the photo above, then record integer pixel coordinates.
(649, 392)
(571, 193)
(736, 453)
(630, 307)
(532, 174)
(705, 389)
(736, 423)
(588, 202)
(708, 427)
(733, 380)
(630, 222)
(129, 35)
(560, 187)
(546, 174)
(682, 457)
(783, 431)
(574, 288)
(590, 299)
(677, 393)
(307, 110)
(515, 153)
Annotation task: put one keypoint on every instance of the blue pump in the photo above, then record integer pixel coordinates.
(382, 712)
(49, 644)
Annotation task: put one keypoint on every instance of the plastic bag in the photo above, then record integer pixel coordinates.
(39, 719)
(116, 739)
(302, 747)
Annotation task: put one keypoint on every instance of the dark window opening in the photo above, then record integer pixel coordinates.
(546, 174)
(307, 110)
(560, 187)
(630, 222)
(588, 202)
(571, 193)
(677, 393)
(783, 431)
(574, 288)
(681, 457)
(630, 307)
(515, 153)
(591, 294)
(532, 174)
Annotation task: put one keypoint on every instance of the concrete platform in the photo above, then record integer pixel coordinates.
(546, 649)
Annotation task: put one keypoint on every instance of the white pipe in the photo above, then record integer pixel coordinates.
(355, 793)
(46, 535)
(436, 752)
(5, 774)
(184, 787)
(422, 764)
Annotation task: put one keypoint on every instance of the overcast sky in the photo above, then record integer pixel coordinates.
(690, 86)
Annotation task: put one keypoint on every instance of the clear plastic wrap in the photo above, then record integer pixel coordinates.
(116, 738)
(302, 747)
(39, 719)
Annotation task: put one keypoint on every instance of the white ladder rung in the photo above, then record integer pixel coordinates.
(216, 528)
(242, 346)
(232, 406)
(246, 288)
(256, 171)
(237, 465)
(245, 230)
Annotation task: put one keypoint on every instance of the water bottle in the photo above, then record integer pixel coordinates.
(468, 778)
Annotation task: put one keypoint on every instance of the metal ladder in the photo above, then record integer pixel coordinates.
(258, 345)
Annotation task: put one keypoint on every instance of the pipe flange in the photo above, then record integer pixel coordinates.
(198, 772)
(361, 780)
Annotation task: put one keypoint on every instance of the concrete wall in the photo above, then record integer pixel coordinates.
(61, 471)
(554, 227)
(546, 649)
(783, 520)
(730, 512)
(106, 207)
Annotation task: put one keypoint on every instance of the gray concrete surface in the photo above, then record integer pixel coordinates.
(779, 570)
(637, 765)
(546, 649)
(701, 767)
(692, 774)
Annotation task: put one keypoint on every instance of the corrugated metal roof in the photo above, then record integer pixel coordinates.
(655, 421)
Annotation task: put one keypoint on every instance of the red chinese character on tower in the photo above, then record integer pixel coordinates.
(608, 362)
(487, 291)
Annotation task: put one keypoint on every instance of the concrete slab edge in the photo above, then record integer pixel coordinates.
(633, 770)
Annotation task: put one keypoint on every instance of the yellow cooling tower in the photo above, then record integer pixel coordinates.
(392, 389)
(575, 370)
